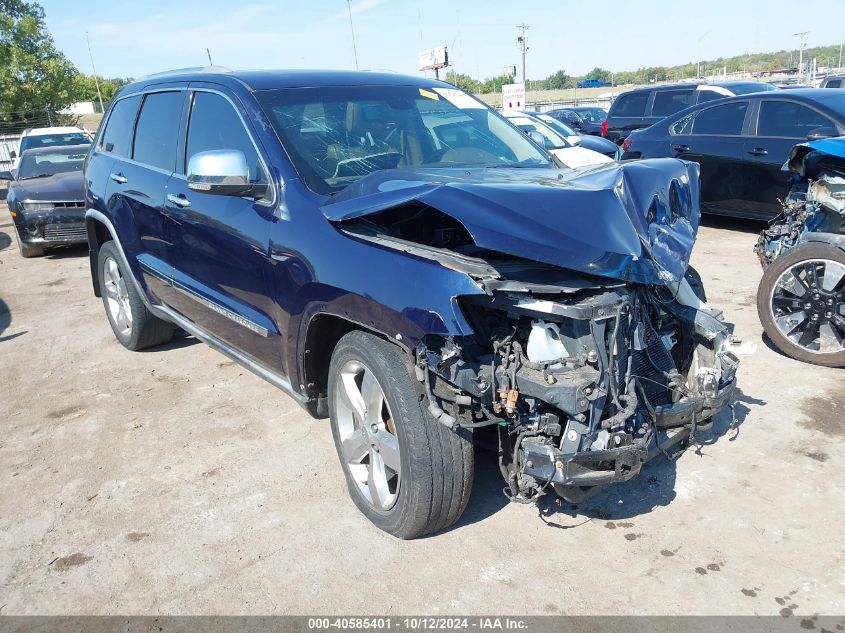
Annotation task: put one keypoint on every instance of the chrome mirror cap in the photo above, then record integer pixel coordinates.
(221, 171)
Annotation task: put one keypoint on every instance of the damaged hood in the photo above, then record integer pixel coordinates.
(632, 221)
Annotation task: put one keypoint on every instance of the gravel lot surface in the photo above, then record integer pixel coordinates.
(173, 481)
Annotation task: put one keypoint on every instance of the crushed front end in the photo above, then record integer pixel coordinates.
(587, 342)
(815, 203)
(584, 383)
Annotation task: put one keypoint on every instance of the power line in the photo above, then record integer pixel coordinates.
(352, 29)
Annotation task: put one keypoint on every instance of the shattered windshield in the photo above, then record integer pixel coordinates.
(336, 135)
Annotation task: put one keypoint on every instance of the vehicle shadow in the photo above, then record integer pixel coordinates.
(5, 241)
(180, 340)
(65, 252)
(655, 486)
(728, 223)
(5, 316)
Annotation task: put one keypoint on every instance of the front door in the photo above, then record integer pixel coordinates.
(223, 266)
(781, 125)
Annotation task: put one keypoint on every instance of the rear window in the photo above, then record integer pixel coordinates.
(631, 104)
(834, 83)
(722, 120)
(668, 102)
(158, 130)
(54, 140)
(117, 137)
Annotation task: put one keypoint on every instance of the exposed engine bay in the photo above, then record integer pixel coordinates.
(588, 344)
(582, 384)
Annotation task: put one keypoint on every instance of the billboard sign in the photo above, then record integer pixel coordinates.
(433, 58)
(513, 96)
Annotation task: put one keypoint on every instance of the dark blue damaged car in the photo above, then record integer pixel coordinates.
(397, 257)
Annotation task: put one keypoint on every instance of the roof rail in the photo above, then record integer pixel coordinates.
(182, 71)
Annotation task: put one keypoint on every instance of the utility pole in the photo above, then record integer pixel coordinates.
(802, 35)
(522, 40)
(840, 56)
(96, 81)
(352, 29)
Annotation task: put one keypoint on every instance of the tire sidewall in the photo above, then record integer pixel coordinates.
(404, 404)
(803, 252)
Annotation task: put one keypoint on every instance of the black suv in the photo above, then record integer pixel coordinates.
(396, 256)
(645, 106)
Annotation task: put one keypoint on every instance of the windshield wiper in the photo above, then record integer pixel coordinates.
(37, 176)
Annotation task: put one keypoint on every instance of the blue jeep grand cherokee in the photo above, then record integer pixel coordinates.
(396, 256)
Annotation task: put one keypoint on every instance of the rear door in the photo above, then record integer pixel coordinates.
(223, 266)
(138, 178)
(780, 125)
(713, 137)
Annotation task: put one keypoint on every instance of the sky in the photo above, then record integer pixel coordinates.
(132, 39)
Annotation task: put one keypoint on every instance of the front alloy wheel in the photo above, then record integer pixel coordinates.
(370, 447)
(406, 472)
(801, 302)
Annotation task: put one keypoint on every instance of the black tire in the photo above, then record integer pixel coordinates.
(803, 253)
(436, 463)
(29, 250)
(145, 329)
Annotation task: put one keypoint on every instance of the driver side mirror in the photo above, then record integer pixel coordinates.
(222, 172)
(822, 132)
(6, 175)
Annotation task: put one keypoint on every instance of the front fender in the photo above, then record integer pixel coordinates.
(836, 239)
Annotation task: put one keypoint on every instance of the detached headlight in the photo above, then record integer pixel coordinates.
(37, 206)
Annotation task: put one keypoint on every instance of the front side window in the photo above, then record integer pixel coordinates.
(44, 164)
(117, 137)
(668, 102)
(336, 135)
(722, 120)
(214, 125)
(158, 130)
(632, 104)
(834, 83)
(789, 119)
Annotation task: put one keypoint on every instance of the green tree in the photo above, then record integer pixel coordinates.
(599, 73)
(559, 80)
(464, 82)
(35, 78)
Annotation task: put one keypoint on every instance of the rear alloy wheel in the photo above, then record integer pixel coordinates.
(132, 323)
(405, 471)
(801, 303)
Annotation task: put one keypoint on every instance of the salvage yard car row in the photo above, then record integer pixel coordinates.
(401, 259)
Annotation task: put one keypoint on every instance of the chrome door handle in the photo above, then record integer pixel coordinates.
(118, 178)
(681, 148)
(758, 151)
(179, 201)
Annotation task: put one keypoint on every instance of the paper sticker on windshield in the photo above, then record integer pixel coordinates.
(429, 95)
(459, 99)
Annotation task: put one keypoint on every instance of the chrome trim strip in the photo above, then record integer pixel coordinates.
(211, 305)
(163, 312)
